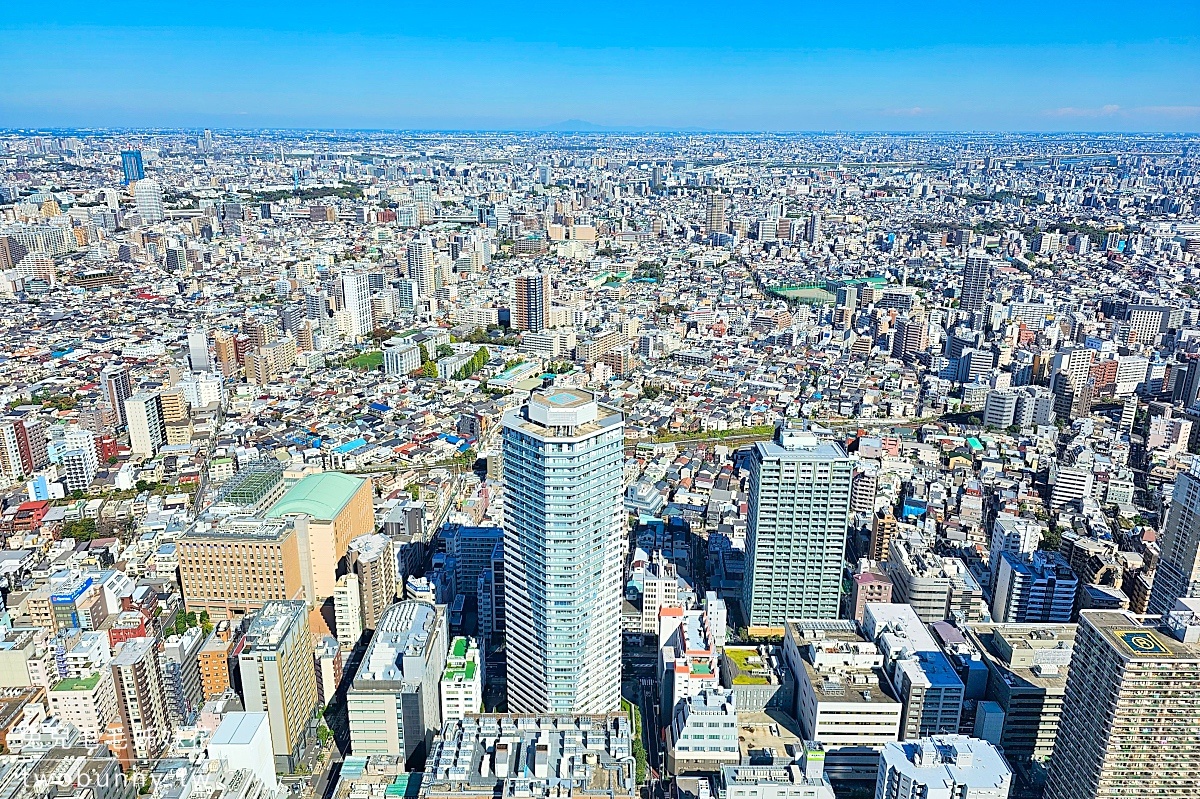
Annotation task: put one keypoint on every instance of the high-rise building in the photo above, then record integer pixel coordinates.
(148, 196)
(910, 335)
(531, 302)
(943, 767)
(131, 166)
(421, 267)
(117, 389)
(347, 611)
(393, 706)
(356, 293)
(147, 427)
(181, 675)
(796, 539)
(278, 677)
(80, 461)
(564, 526)
(976, 279)
(1033, 588)
(141, 700)
(1129, 723)
(812, 229)
(714, 221)
(372, 560)
(198, 356)
(1178, 572)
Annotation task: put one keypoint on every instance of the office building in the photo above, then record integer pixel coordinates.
(481, 757)
(843, 697)
(117, 389)
(330, 509)
(703, 733)
(799, 512)
(531, 302)
(461, 686)
(1129, 723)
(943, 767)
(1033, 588)
(1027, 666)
(278, 678)
(145, 724)
(937, 587)
(804, 778)
(564, 525)
(920, 673)
(234, 566)
(147, 426)
(131, 167)
(1178, 572)
(393, 704)
(148, 197)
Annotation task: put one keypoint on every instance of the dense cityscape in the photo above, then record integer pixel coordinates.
(371, 465)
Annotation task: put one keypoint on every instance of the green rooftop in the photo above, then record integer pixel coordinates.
(77, 683)
(458, 647)
(321, 496)
(467, 672)
(740, 658)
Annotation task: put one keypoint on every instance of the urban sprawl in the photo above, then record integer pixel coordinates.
(367, 465)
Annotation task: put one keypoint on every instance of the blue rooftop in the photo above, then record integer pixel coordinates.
(563, 398)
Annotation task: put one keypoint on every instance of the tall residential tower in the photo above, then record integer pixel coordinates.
(799, 510)
(564, 527)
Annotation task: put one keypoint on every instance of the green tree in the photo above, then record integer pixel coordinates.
(80, 529)
(424, 353)
(444, 351)
(413, 490)
(429, 369)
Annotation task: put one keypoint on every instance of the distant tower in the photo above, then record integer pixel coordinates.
(531, 309)
(421, 267)
(131, 166)
(812, 229)
(977, 271)
(148, 196)
(117, 389)
(715, 218)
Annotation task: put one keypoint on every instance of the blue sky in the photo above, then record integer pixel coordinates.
(718, 66)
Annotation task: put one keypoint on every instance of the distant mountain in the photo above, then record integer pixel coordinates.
(574, 126)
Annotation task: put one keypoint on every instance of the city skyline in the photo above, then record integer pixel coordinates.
(1023, 67)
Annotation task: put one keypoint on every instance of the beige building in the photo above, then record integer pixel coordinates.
(330, 509)
(141, 701)
(269, 361)
(279, 678)
(236, 566)
(89, 703)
